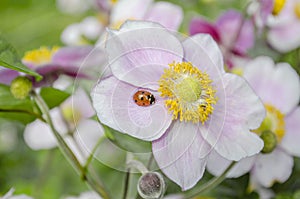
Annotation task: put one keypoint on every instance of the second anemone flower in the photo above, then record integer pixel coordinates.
(177, 95)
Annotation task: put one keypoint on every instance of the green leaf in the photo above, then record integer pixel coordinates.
(127, 142)
(53, 97)
(10, 59)
(16, 109)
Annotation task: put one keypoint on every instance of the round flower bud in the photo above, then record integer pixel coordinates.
(270, 141)
(20, 87)
(151, 185)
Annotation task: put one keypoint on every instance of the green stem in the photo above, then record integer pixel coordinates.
(126, 183)
(212, 183)
(91, 156)
(68, 153)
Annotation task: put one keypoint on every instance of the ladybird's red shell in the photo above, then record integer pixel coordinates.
(143, 98)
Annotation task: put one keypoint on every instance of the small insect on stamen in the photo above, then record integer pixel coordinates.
(143, 98)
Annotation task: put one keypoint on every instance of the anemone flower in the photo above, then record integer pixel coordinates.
(285, 26)
(51, 63)
(177, 95)
(233, 33)
(279, 88)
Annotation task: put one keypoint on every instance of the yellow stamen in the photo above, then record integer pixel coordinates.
(40, 56)
(188, 92)
(274, 122)
(278, 5)
(297, 9)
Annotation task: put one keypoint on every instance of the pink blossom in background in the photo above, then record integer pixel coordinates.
(279, 88)
(233, 33)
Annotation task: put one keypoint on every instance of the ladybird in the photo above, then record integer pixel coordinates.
(143, 98)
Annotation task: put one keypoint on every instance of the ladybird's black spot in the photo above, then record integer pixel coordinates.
(135, 100)
(143, 92)
(152, 99)
(142, 98)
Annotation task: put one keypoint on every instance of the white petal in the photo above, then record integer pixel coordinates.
(129, 9)
(177, 153)
(115, 107)
(216, 165)
(140, 51)
(165, 13)
(237, 111)
(274, 167)
(203, 52)
(291, 140)
(276, 85)
(38, 135)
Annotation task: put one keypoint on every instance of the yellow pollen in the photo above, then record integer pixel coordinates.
(297, 9)
(188, 92)
(278, 5)
(43, 55)
(274, 121)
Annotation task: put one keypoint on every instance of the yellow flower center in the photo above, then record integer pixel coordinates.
(43, 55)
(188, 92)
(274, 121)
(297, 9)
(278, 5)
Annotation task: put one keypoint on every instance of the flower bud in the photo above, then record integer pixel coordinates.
(270, 141)
(20, 87)
(151, 185)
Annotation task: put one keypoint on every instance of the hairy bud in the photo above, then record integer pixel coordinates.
(20, 87)
(151, 185)
(270, 141)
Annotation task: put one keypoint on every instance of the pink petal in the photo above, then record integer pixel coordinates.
(167, 14)
(7, 75)
(237, 111)
(203, 52)
(289, 32)
(199, 25)
(177, 153)
(129, 9)
(78, 56)
(290, 141)
(140, 51)
(278, 86)
(246, 39)
(274, 167)
(113, 101)
(216, 165)
(228, 24)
